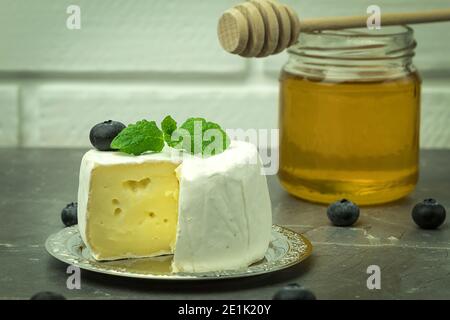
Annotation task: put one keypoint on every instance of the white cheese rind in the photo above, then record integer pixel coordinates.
(224, 213)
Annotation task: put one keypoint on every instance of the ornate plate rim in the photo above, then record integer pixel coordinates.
(293, 256)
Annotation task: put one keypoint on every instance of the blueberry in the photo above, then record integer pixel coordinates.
(294, 292)
(428, 214)
(69, 214)
(102, 134)
(343, 213)
(47, 295)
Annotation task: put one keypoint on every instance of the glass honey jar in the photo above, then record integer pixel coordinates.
(349, 116)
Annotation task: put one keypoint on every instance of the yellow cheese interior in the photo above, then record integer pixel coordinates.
(132, 210)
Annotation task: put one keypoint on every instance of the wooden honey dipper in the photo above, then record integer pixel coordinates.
(259, 28)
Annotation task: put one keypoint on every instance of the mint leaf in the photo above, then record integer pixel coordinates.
(196, 135)
(168, 126)
(139, 137)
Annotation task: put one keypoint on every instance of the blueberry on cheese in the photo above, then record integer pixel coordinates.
(102, 134)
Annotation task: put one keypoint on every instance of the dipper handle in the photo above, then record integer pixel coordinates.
(258, 28)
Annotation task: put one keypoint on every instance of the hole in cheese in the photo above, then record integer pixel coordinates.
(138, 232)
(135, 186)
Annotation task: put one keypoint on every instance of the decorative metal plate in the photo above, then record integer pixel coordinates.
(286, 249)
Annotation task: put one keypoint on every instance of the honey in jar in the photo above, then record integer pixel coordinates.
(349, 116)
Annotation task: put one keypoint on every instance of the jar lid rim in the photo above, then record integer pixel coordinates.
(356, 42)
(389, 31)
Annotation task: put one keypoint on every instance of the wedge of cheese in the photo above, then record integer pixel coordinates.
(211, 213)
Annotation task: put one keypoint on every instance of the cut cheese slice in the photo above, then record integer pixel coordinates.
(133, 211)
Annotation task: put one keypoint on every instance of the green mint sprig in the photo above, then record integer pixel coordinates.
(195, 135)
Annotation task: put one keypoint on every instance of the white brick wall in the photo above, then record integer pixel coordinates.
(134, 59)
(115, 35)
(65, 113)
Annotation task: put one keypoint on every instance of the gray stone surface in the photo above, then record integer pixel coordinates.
(35, 184)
